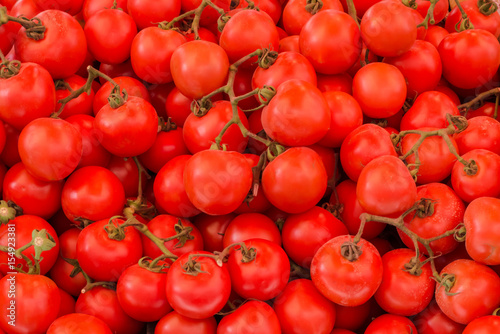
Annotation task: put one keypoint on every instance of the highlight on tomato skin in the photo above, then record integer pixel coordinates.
(249, 167)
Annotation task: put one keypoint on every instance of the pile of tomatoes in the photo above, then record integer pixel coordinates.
(257, 167)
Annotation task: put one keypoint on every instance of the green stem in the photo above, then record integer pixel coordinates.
(429, 17)
(34, 27)
(478, 100)
(465, 22)
(351, 9)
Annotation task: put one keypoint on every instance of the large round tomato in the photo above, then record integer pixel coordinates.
(131, 85)
(477, 18)
(146, 16)
(486, 324)
(254, 316)
(391, 324)
(433, 321)
(78, 323)
(250, 226)
(481, 132)
(297, 12)
(179, 324)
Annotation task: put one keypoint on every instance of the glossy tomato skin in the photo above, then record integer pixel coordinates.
(93, 193)
(109, 34)
(440, 10)
(27, 96)
(304, 233)
(479, 288)
(479, 20)
(459, 67)
(212, 228)
(131, 85)
(198, 68)
(24, 226)
(485, 182)
(36, 302)
(342, 281)
(433, 321)
(322, 36)
(36, 197)
(216, 181)
(352, 317)
(391, 324)
(307, 169)
(254, 317)
(265, 276)
(481, 132)
(103, 303)
(60, 273)
(198, 296)
(379, 101)
(78, 323)
(144, 16)
(295, 14)
(250, 226)
(446, 214)
(179, 324)
(127, 172)
(401, 292)
(141, 293)
(61, 51)
(486, 324)
(317, 317)
(128, 130)
(104, 259)
(481, 219)
(385, 187)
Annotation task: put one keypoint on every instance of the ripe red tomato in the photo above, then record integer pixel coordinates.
(376, 100)
(391, 324)
(250, 226)
(179, 324)
(217, 182)
(82, 105)
(132, 86)
(385, 187)
(92, 193)
(402, 292)
(78, 323)
(435, 34)
(336, 82)
(209, 15)
(344, 282)
(470, 58)
(474, 291)
(321, 37)
(433, 321)
(481, 132)
(272, 7)
(109, 34)
(201, 291)
(479, 20)
(212, 228)
(296, 14)
(297, 170)
(62, 50)
(288, 118)
(27, 96)
(198, 68)
(289, 43)
(304, 233)
(439, 12)
(262, 278)
(254, 316)
(488, 109)
(317, 317)
(33, 301)
(352, 317)
(486, 324)
(145, 16)
(127, 172)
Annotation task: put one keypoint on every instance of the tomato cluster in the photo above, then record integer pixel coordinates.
(257, 167)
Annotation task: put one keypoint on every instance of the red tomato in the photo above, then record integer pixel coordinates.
(305, 233)
(151, 63)
(33, 301)
(198, 68)
(472, 184)
(199, 133)
(205, 34)
(145, 16)
(255, 317)
(298, 12)
(250, 226)
(346, 115)
(481, 132)
(128, 130)
(361, 146)
(376, 100)
(473, 292)
(178, 107)
(402, 292)
(420, 66)
(67, 305)
(109, 34)
(132, 86)
(385, 187)
(61, 51)
(179, 324)
(391, 324)
(36, 197)
(164, 226)
(337, 83)
(271, 7)
(217, 182)
(347, 283)
(388, 28)
(477, 18)
(90, 7)
(317, 317)
(103, 258)
(201, 292)
(297, 170)
(128, 174)
(92, 193)
(470, 58)
(209, 15)
(103, 303)
(480, 219)
(361, 61)
(288, 118)
(72, 7)
(433, 321)
(238, 41)
(124, 69)
(488, 109)
(486, 324)
(351, 317)
(321, 38)
(61, 275)
(78, 323)
(27, 96)
(429, 110)
(158, 95)
(212, 229)
(262, 278)
(141, 293)
(439, 12)
(50, 148)
(80, 105)
(435, 34)
(289, 44)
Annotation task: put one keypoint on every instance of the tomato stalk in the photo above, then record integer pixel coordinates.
(429, 17)
(487, 7)
(153, 264)
(34, 27)
(478, 101)
(117, 97)
(465, 22)
(351, 10)
(9, 211)
(314, 6)
(8, 69)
